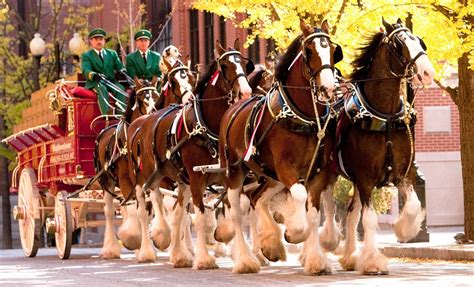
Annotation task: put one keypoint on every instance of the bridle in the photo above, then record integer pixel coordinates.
(310, 37)
(149, 91)
(231, 83)
(408, 64)
(180, 68)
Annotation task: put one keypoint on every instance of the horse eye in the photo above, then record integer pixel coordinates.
(308, 51)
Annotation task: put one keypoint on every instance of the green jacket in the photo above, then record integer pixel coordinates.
(136, 65)
(91, 64)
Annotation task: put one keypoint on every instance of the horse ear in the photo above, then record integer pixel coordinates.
(387, 26)
(136, 81)
(399, 21)
(305, 28)
(325, 26)
(219, 49)
(237, 44)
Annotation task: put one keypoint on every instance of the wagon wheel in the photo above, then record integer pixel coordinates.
(63, 225)
(28, 213)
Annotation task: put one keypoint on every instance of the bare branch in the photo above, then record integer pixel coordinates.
(339, 15)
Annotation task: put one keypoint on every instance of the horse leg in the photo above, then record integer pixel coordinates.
(253, 224)
(409, 223)
(371, 260)
(224, 231)
(202, 260)
(129, 231)
(244, 260)
(314, 260)
(160, 230)
(330, 234)
(146, 252)
(220, 249)
(188, 238)
(180, 255)
(350, 254)
(297, 223)
(269, 231)
(111, 248)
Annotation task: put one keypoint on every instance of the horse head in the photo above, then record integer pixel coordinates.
(146, 95)
(319, 56)
(409, 53)
(180, 81)
(229, 64)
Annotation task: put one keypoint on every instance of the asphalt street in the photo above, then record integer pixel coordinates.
(84, 268)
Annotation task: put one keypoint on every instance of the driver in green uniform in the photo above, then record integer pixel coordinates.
(98, 62)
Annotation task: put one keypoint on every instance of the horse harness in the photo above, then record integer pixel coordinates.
(365, 117)
(284, 113)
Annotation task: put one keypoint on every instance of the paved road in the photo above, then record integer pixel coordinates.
(86, 269)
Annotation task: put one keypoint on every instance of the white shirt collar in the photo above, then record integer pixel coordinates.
(97, 51)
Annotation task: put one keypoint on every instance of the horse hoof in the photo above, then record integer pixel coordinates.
(376, 273)
(274, 252)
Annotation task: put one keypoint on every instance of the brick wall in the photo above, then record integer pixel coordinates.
(436, 141)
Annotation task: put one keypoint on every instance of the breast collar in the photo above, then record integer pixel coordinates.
(280, 106)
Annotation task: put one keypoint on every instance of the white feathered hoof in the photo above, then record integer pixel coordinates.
(272, 248)
(161, 238)
(263, 261)
(409, 223)
(129, 240)
(225, 231)
(328, 240)
(110, 253)
(348, 262)
(205, 263)
(296, 236)
(317, 264)
(146, 255)
(373, 264)
(220, 250)
(246, 264)
(182, 260)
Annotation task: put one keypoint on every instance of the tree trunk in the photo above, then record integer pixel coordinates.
(5, 193)
(465, 105)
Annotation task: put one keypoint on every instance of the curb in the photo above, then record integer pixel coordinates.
(451, 252)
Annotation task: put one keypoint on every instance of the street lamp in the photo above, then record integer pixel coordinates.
(76, 46)
(37, 49)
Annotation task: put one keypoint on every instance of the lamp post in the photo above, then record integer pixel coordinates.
(37, 49)
(76, 46)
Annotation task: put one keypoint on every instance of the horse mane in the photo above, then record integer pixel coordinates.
(255, 78)
(362, 62)
(281, 70)
(128, 111)
(201, 85)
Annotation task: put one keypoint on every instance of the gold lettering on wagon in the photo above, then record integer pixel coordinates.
(60, 147)
(61, 157)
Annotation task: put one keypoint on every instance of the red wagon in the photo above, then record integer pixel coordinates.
(54, 160)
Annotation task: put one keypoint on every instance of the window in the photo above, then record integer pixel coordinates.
(162, 8)
(209, 36)
(222, 31)
(254, 50)
(194, 36)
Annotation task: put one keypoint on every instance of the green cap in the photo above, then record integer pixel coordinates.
(142, 34)
(97, 32)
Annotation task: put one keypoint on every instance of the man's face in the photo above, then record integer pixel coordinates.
(143, 44)
(97, 42)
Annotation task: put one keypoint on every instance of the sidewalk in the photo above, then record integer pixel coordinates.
(442, 245)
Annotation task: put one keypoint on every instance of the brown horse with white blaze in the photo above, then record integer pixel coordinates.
(377, 138)
(288, 148)
(174, 140)
(109, 161)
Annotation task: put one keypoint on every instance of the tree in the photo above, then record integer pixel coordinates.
(446, 26)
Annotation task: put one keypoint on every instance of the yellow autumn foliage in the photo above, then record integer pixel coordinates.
(444, 25)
